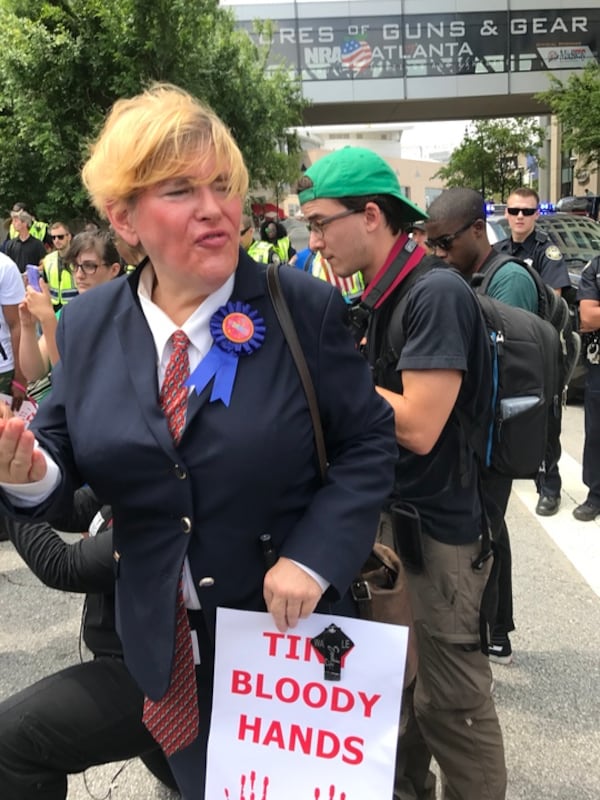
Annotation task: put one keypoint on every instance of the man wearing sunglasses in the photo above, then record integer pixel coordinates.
(468, 249)
(428, 350)
(57, 274)
(535, 247)
(531, 244)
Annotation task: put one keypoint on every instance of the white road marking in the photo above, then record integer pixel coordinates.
(579, 541)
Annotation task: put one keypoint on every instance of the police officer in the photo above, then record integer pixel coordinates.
(588, 295)
(534, 247)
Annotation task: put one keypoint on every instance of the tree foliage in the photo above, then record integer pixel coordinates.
(487, 157)
(576, 103)
(65, 62)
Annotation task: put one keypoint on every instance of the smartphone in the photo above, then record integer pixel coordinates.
(33, 277)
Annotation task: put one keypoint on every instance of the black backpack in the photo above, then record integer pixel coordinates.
(533, 357)
(526, 389)
(511, 439)
(551, 307)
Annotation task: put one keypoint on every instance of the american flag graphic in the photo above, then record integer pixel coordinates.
(356, 55)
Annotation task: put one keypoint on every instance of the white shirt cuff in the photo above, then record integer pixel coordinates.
(27, 495)
(314, 575)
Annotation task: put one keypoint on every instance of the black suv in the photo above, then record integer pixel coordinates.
(578, 239)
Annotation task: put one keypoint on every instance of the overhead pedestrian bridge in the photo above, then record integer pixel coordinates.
(368, 61)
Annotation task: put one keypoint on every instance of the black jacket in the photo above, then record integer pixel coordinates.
(84, 566)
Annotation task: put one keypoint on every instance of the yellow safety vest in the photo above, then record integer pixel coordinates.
(262, 252)
(38, 230)
(60, 280)
(282, 248)
(351, 288)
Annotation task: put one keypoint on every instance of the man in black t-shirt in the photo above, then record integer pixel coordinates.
(25, 248)
(471, 253)
(430, 359)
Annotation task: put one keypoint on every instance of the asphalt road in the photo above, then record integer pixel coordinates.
(548, 699)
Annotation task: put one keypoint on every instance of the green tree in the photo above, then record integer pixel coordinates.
(576, 103)
(487, 159)
(65, 62)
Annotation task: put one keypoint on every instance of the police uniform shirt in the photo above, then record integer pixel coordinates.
(589, 286)
(542, 255)
(444, 329)
(589, 289)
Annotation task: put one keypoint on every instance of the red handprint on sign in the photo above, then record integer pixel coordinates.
(331, 795)
(252, 787)
(265, 785)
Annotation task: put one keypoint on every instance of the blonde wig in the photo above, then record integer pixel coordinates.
(161, 134)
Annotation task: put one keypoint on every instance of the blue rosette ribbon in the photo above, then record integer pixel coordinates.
(237, 330)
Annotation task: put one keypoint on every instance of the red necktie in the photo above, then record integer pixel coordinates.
(173, 720)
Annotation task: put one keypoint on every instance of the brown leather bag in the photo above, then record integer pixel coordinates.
(381, 593)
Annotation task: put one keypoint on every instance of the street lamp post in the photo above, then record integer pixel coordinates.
(520, 172)
(573, 164)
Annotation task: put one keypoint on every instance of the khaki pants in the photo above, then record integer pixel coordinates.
(452, 703)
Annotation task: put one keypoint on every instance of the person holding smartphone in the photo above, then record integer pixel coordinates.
(93, 260)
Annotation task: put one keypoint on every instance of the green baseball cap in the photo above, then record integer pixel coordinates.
(354, 172)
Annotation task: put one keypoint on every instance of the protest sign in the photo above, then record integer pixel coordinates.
(26, 412)
(307, 714)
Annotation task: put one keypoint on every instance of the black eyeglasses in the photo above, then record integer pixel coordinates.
(317, 226)
(87, 267)
(527, 212)
(445, 242)
(59, 236)
(245, 230)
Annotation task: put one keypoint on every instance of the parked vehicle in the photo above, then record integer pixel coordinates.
(578, 238)
(587, 205)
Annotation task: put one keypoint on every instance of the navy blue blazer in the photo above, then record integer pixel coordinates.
(238, 471)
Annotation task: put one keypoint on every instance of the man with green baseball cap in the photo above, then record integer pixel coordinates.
(355, 171)
(419, 325)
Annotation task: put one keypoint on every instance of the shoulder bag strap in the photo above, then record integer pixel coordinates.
(289, 331)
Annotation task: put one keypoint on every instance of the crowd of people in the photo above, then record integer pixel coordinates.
(177, 487)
